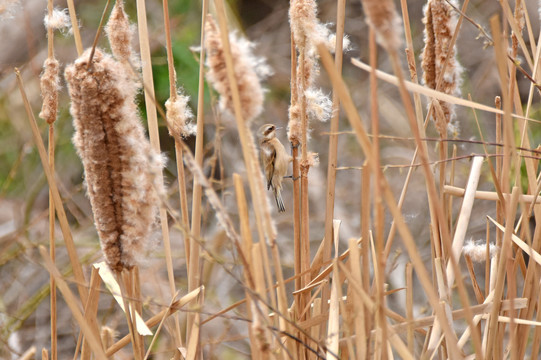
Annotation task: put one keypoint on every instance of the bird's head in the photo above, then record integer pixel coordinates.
(267, 131)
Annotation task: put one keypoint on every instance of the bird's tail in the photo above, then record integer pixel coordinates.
(279, 201)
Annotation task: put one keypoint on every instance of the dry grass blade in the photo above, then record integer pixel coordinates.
(62, 218)
(433, 93)
(156, 319)
(72, 303)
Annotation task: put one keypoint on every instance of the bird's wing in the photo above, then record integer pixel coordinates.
(270, 168)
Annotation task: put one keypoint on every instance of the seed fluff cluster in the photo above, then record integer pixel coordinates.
(308, 32)
(121, 168)
(440, 24)
(249, 70)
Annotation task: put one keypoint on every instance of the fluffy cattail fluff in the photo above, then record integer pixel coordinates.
(120, 166)
(107, 336)
(120, 32)
(478, 252)
(440, 24)
(179, 115)
(308, 32)
(59, 20)
(50, 85)
(249, 71)
(381, 15)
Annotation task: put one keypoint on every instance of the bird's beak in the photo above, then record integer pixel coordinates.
(278, 128)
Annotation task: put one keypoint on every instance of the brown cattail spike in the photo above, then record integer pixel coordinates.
(120, 33)
(440, 24)
(249, 71)
(381, 15)
(50, 84)
(120, 166)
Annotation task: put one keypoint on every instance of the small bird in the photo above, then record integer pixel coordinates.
(275, 161)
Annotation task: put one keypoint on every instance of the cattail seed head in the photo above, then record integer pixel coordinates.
(178, 115)
(249, 71)
(478, 252)
(50, 85)
(440, 24)
(120, 166)
(294, 132)
(59, 20)
(381, 15)
(120, 32)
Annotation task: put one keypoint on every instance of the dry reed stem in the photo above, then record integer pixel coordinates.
(502, 259)
(29, 354)
(194, 261)
(156, 319)
(416, 88)
(464, 217)
(333, 328)
(148, 85)
(62, 218)
(129, 312)
(178, 115)
(333, 146)
(75, 27)
(72, 303)
(358, 308)
(493, 172)
(91, 312)
(155, 337)
(409, 308)
(246, 235)
(49, 84)
(379, 262)
(364, 141)
(491, 195)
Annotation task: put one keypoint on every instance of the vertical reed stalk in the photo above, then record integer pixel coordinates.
(380, 261)
(194, 263)
(75, 27)
(148, 85)
(179, 157)
(59, 208)
(52, 248)
(296, 173)
(333, 147)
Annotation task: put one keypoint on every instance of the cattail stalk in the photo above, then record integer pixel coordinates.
(75, 27)
(152, 119)
(49, 88)
(441, 70)
(194, 260)
(177, 115)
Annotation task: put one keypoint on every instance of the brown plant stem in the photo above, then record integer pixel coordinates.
(333, 150)
(178, 152)
(407, 238)
(380, 264)
(52, 248)
(75, 27)
(62, 218)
